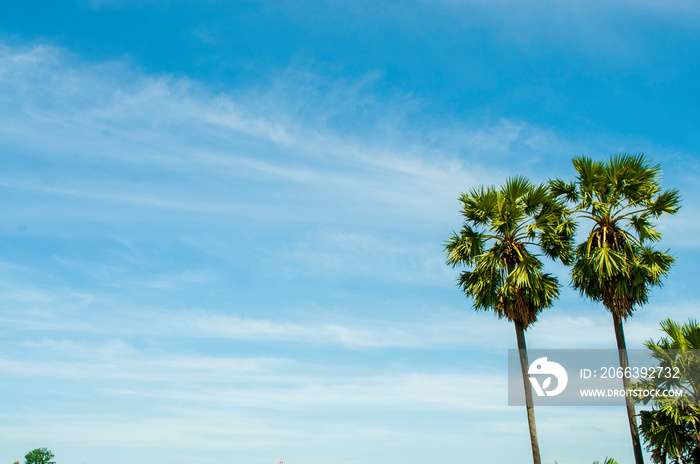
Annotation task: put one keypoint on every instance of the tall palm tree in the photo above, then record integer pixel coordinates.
(672, 427)
(616, 263)
(504, 275)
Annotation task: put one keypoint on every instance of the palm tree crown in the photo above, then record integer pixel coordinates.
(499, 231)
(616, 264)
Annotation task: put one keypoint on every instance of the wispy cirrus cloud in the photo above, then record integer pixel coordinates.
(42, 311)
(280, 402)
(82, 117)
(250, 383)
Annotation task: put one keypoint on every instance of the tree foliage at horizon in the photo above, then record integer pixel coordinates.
(39, 456)
(672, 427)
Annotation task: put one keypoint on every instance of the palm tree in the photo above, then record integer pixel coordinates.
(505, 276)
(672, 427)
(616, 263)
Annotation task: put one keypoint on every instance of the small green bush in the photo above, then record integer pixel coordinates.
(39, 456)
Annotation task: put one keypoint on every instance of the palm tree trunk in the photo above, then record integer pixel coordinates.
(629, 402)
(524, 365)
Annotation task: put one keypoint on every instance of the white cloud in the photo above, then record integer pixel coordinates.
(217, 387)
(43, 311)
(107, 116)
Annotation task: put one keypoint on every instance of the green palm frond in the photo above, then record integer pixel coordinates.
(667, 202)
(465, 247)
(537, 198)
(588, 170)
(517, 189)
(608, 263)
(644, 228)
(561, 189)
(654, 264)
(479, 206)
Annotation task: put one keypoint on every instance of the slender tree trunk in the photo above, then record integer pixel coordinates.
(524, 365)
(629, 402)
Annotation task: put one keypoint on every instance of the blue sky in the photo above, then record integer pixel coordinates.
(222, 222)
